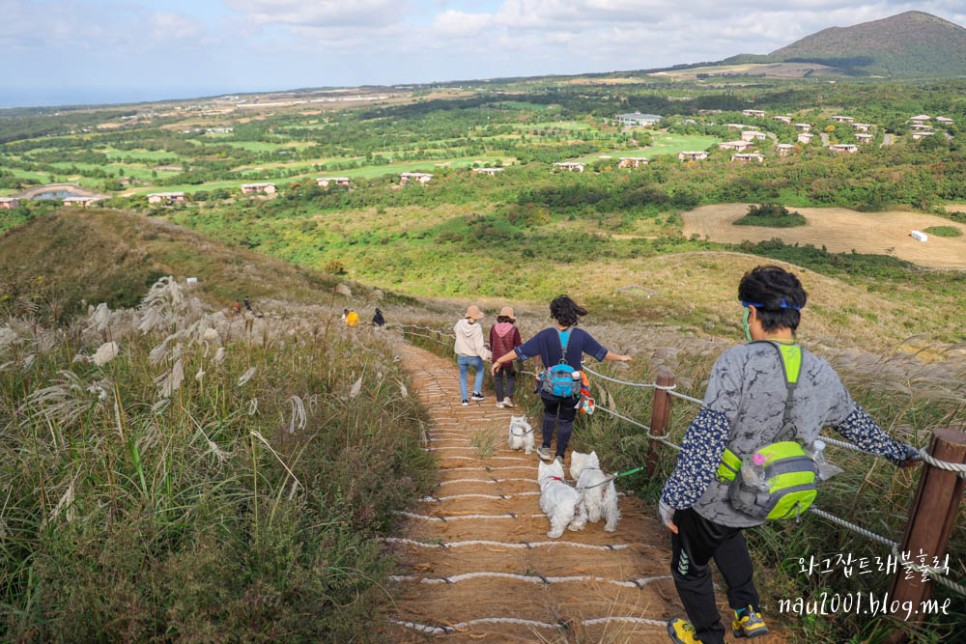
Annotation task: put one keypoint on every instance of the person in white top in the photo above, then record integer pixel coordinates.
(470, 351)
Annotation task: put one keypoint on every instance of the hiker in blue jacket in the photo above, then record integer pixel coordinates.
(757, 393)
(549, 344)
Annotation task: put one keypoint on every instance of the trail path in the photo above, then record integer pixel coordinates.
(476, 563)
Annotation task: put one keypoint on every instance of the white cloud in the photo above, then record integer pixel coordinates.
(460, 23)
(321, 13)
(172, 26)
(66, 25)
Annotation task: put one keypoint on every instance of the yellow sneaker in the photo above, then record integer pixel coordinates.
(681, 631)
(750, 624)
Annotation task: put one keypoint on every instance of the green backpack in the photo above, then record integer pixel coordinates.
(789, 474)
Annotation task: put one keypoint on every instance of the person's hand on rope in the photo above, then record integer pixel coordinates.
(666, 512)
(913, 457)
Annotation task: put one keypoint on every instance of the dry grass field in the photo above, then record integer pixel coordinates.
(771, 70)
(840, 230)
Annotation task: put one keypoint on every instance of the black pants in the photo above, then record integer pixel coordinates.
(511, 377)
(696, 543)
(563, 410)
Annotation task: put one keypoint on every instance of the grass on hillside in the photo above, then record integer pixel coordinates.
(662, 144)
(169, 474)
(105, 256)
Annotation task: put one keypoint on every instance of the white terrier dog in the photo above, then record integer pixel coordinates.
(560, 502)
(521, 434)
(596, 489)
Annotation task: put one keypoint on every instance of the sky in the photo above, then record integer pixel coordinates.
(69, 52)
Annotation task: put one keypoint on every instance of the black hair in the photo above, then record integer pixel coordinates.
(565, 311)
(779, 293)
(504, 318)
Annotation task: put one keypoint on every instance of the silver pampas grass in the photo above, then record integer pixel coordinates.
(105, 353)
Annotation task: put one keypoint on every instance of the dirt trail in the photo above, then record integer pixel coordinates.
(476, 563)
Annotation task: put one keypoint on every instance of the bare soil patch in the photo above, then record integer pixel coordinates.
(840, 230)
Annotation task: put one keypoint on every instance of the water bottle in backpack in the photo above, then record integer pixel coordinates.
(824, 469)
(753, 472)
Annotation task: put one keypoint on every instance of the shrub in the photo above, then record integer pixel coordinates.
(771, 215)
(944, 231)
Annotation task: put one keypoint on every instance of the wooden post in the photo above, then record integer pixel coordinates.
(931, 521)
(660, 415)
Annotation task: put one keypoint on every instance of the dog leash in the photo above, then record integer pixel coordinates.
(607, 479)
(611, 477)
(629, 472)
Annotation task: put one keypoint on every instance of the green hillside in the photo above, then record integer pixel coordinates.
(65, 259)
(911, 44)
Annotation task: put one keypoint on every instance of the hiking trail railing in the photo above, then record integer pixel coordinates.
(932, 515)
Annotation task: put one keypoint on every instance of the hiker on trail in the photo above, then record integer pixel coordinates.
(470, 352)
(345, 314)
(504, 338)
(561, 345)
(351, 318)
(377, 319)
(764, 396)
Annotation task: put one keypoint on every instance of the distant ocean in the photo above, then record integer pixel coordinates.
(57, 96)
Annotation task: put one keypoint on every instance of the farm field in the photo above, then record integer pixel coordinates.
(840, 230)
(778, 70)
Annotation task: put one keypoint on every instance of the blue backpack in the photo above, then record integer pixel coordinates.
(561, 380)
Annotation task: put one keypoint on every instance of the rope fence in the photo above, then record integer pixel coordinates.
(936, 574)
(531, 578)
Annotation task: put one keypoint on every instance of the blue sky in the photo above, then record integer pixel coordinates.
(93, 51)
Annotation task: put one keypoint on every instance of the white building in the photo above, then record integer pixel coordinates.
(636, 119)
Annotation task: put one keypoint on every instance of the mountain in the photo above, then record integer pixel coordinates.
(910, 44)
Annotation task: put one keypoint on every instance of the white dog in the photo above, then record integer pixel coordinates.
(560, 502)
(596, 489)
(521, 434)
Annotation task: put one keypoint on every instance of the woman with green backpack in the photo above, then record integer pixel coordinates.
(742, 460)
(561, 348)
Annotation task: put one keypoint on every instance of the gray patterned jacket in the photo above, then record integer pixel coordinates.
(744, 400)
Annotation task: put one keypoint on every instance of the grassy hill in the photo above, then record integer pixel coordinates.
(910, 44)
(172, 472)
(62, 260)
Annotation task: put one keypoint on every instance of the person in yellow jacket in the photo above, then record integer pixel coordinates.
(351, 318)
